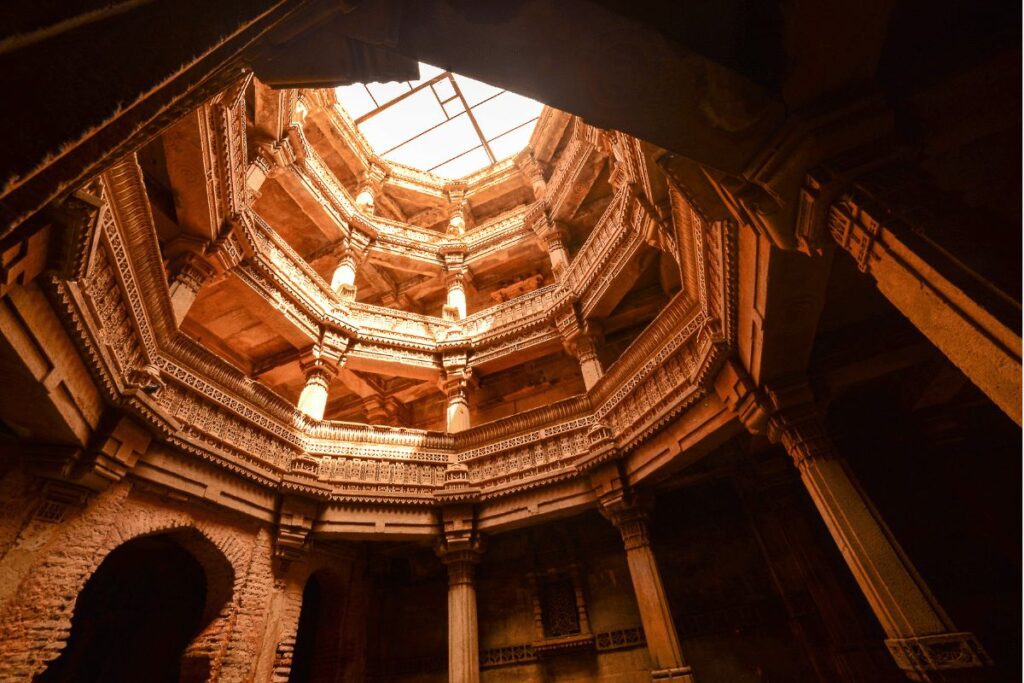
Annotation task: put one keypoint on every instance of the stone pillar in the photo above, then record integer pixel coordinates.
(192, 272)
(590, 364)
(463, 635)
(371, 188)
(456, 389)
(457, 224)
(533, 173)
(456, 301)
(460, 548)
(344, 273)
(659, 629)
(920, 636)
(904, 232)
(454, 251)
(559, 255)
(580, 340)
(313, 399)
(552, 236)
(320, 362)
(365, 200)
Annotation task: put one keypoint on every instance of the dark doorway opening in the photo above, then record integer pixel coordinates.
(318, 655)
(134, 617)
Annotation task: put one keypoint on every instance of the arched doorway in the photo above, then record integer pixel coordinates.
(318, 655)
(136, 614)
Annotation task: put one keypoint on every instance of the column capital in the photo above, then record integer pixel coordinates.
(355, 247)
(294, 523)
(347, 256)
(457, 277)
(322, 361)
(742, 397)
(796, 422)
(374, 176)
(531, 169)
(191, 269)
(632, 524)
(460, 546)
(461, 565)
(788, 413)
(582, 341)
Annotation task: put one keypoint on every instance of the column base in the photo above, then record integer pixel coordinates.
(931, 658)
(680, 673)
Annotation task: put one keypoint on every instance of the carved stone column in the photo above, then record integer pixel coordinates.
(905, 233)
(921, 637)
(457, 221)
(534, 174)
(463, 636)
(454, 250)
(659, 629)
(586, 354)
(460, 549)
(554, 237)
(619, 505)
(580, 340)
(343, 279)
(370, 189)
(313, 399)
(456, 389)
(365, 200)
(345, 272)
(456, 301)
(321, 364)
(191, 273)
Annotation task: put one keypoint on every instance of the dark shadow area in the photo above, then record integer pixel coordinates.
(318, 653)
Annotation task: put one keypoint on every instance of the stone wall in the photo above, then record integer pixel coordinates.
(57, 547)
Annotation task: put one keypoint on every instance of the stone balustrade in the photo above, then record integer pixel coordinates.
(207, 408)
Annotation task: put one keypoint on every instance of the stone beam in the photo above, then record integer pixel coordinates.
(967, 316)
(190, 147)
(312, 203)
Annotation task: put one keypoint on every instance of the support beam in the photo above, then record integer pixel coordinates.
(920, 636)
(460, 548)
(619, 504)
(969, 319)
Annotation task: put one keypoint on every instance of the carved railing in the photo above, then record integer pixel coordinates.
(389, 326)
(512, 316)
(405, 239)
(207, 408)
(501, 232)
(609, 256)
(289, 269)
(385, 234)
